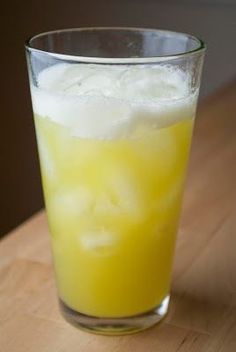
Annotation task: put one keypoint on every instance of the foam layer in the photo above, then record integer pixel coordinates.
(95, 101)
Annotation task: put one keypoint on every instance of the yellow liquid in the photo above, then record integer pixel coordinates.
(113, 209)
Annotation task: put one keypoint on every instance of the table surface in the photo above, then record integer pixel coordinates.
(202, 315)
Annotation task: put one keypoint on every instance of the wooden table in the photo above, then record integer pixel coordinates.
(202, 314)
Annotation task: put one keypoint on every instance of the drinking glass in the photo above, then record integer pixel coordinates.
(114, 111)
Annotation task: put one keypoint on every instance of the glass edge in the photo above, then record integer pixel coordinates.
(107, 60)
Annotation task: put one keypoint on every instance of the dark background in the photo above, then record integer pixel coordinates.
(212, 20)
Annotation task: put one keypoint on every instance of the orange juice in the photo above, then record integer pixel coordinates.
(113, 159)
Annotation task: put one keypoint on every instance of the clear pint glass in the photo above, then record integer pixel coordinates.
(114, 111)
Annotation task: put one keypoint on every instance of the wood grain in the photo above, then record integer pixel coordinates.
(202, 315)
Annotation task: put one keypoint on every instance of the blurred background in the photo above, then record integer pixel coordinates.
(212, 20)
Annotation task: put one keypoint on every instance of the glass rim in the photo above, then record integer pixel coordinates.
(113, 60)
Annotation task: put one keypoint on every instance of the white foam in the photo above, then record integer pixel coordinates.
(109, 102)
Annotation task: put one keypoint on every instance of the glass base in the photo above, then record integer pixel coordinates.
(115, 326)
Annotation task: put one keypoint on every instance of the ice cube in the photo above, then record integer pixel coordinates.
(156, 82)
(46, 160)
(71, 202)
(100, 117)
(105, 206)
(101, 84)
(127, 193)
(99, 241)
